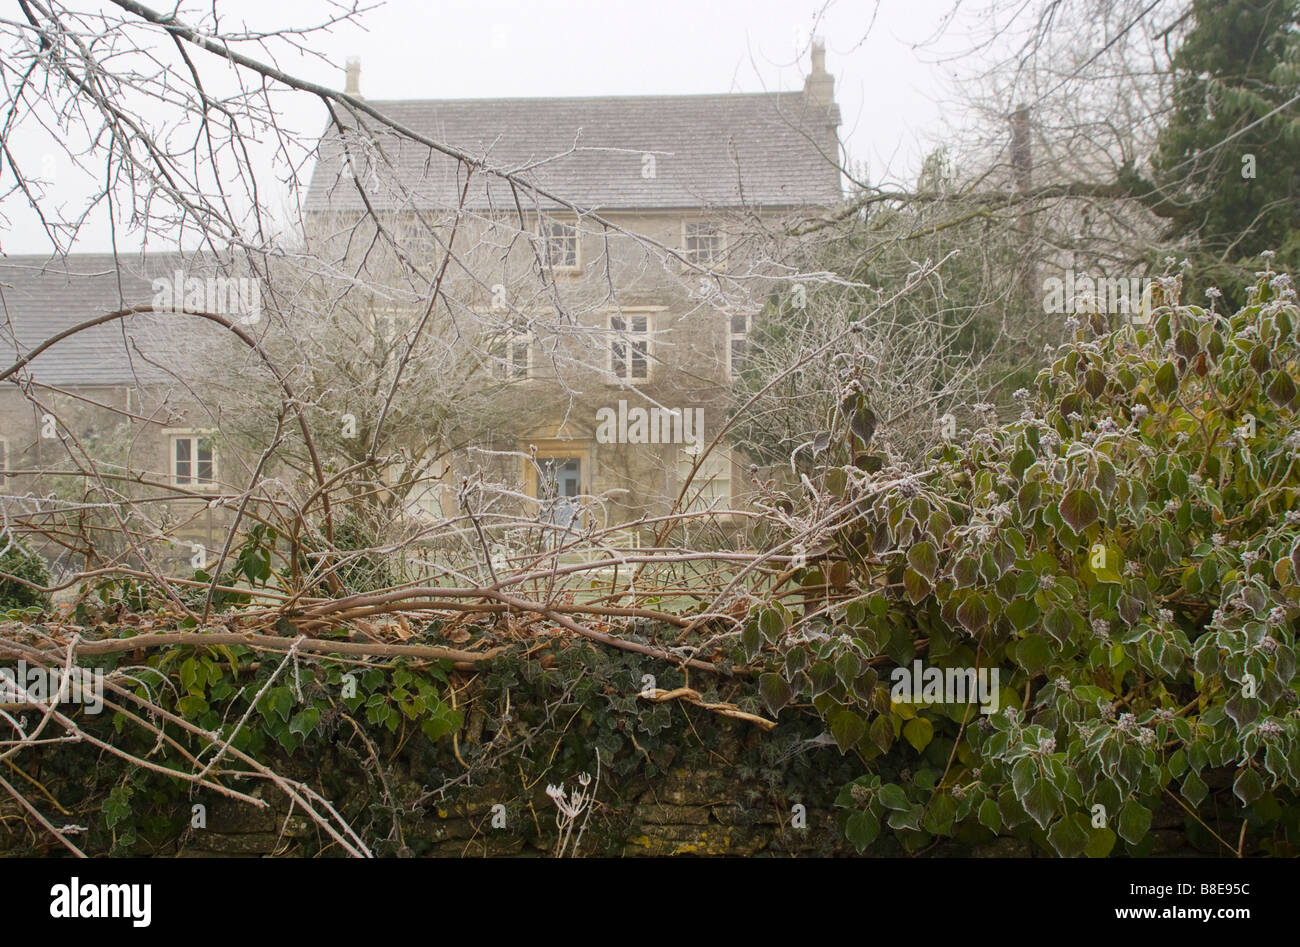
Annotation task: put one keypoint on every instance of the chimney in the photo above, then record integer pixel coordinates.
(819, 87)
(353, 82)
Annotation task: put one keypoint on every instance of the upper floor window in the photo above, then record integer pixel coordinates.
(415, 239)
(512, 355)
(629, 350)
(193, 460)
(703, 243)
(559, 244)
(4, 461)
(737, 342)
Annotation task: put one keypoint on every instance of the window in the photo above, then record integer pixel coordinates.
(194, 460)
(737, 342)
(4, 461)
(629, 350)
(416, 240)
(710, 488)
(703, 244)
(512, 356)
(422, 496)
(559, 244)
(390, 325)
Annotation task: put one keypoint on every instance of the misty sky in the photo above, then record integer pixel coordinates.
(882, 56)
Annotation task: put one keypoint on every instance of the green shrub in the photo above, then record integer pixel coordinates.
(21, 563)
(1126, 555)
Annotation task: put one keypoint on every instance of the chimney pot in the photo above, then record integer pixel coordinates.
(353, 81)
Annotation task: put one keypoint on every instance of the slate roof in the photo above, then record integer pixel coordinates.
(719, 151)
(40, 296)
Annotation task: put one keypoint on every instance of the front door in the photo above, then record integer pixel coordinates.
(560, 485)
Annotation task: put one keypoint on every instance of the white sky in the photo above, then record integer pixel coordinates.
(887, 88)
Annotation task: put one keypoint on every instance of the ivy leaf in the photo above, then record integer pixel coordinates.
(862, 829)
(1033, 653)
(1023, 460)
(965, 571)
(1023, 612)
(1134, 821)
(192, 706)
(863, 424)
(1058, 625)
(1068, 836)
(919, 732)
(847, 668)
(939, 816)
(772, 624)
(1107, 479)
(1282, 391)
(822, 676)
(190, 676)
(882, 733)
(915, 585)
(1186, 344)
(1166, 379)
(973, 614)
(864, 685)
(775, 691)
(1248, 786)
(847, 729)
(923, 558)
(1104, 566)
(1194, 789)
(989, 816)
(1079, 510)
(118, 804)
(1260, 359)
(1041, 801)
(751, 640)
(892, 796)
(304, 721)
(1243, 710)
(1100, 842)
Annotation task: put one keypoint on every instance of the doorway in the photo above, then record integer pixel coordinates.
(559, 486)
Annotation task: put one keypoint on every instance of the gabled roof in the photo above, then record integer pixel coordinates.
(771, 150)
(41, 296)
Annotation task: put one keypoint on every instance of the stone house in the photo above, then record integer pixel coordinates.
(614, 299)
(609, 307)
(125, 393)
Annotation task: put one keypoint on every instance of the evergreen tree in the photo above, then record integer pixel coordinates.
(1226, 173)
